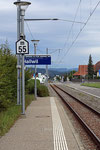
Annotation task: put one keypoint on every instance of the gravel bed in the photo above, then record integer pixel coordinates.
(92, 101)
(91, 119)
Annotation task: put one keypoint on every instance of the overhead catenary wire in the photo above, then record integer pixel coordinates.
(31, 34)
(72, 21)
(34, 38)
(72, 24)
(55, 50)
(39, 50)
(55, 19)
(29, 30)
(80, 31)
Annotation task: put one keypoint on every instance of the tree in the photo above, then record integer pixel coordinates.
(65, 77)
(8, 77)
(90, 68)
(71, 74)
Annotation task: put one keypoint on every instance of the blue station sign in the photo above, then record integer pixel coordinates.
(37, 60)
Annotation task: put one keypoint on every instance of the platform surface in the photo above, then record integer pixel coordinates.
(44, 127)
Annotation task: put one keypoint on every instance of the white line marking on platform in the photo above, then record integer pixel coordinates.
(60, 142)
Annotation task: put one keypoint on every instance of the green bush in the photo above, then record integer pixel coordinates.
(30, 86)
(4, 103)
(8, 77)
(42, 91)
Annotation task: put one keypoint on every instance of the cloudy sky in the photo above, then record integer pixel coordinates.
(56, 35)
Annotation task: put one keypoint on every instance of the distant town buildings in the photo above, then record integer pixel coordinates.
(57, 78)
(40, 77)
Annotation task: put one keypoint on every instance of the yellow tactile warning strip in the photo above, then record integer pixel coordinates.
(60, 142)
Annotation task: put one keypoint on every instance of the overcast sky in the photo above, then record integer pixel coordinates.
(56, 34)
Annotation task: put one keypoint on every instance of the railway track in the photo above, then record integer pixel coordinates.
(87, 116)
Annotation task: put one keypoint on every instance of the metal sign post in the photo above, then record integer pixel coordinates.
(35, 86)
(22, 47)
(23, 86)
(47, 69)
(18, 59)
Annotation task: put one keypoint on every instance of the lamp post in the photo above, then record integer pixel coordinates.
(35, 86)
(23, 6)
(47, 69)
(18, 59)
(58, 49)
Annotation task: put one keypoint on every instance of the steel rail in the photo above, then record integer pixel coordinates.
(84, 125)
(86, 105)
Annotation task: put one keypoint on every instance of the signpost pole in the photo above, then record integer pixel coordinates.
(18, 59)
(35, 87)
(23, 87)
(22, 47)
(23, 76)
(47, 69)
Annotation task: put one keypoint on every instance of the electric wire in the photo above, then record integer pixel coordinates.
(72, 24)
(29, 30)
(90, 6)
(72, 21)
(80, 30)
(55, 51)
(31, 34)
(40, 51)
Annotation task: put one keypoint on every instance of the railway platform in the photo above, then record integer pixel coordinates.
(44, 127)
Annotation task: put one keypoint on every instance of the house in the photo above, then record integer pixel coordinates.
(83, 70)
(40, 77)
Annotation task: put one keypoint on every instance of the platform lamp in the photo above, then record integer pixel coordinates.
(35, 86)
(23, 6)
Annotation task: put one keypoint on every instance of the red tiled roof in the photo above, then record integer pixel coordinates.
(97, 66)
(83, 69)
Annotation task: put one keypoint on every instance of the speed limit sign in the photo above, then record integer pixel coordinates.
(22, 47)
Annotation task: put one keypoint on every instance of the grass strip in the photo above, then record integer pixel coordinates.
(94, 85)
(8, 117)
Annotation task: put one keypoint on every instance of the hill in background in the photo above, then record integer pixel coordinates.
(54, 71)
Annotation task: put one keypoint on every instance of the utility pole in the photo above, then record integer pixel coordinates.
(47, 69)
(23, 73)
(35, 86)
(22, 5)
(18, 59)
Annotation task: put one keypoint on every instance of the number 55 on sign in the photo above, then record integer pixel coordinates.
(22, 47)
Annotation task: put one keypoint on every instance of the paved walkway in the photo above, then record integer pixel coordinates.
(44, 127)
